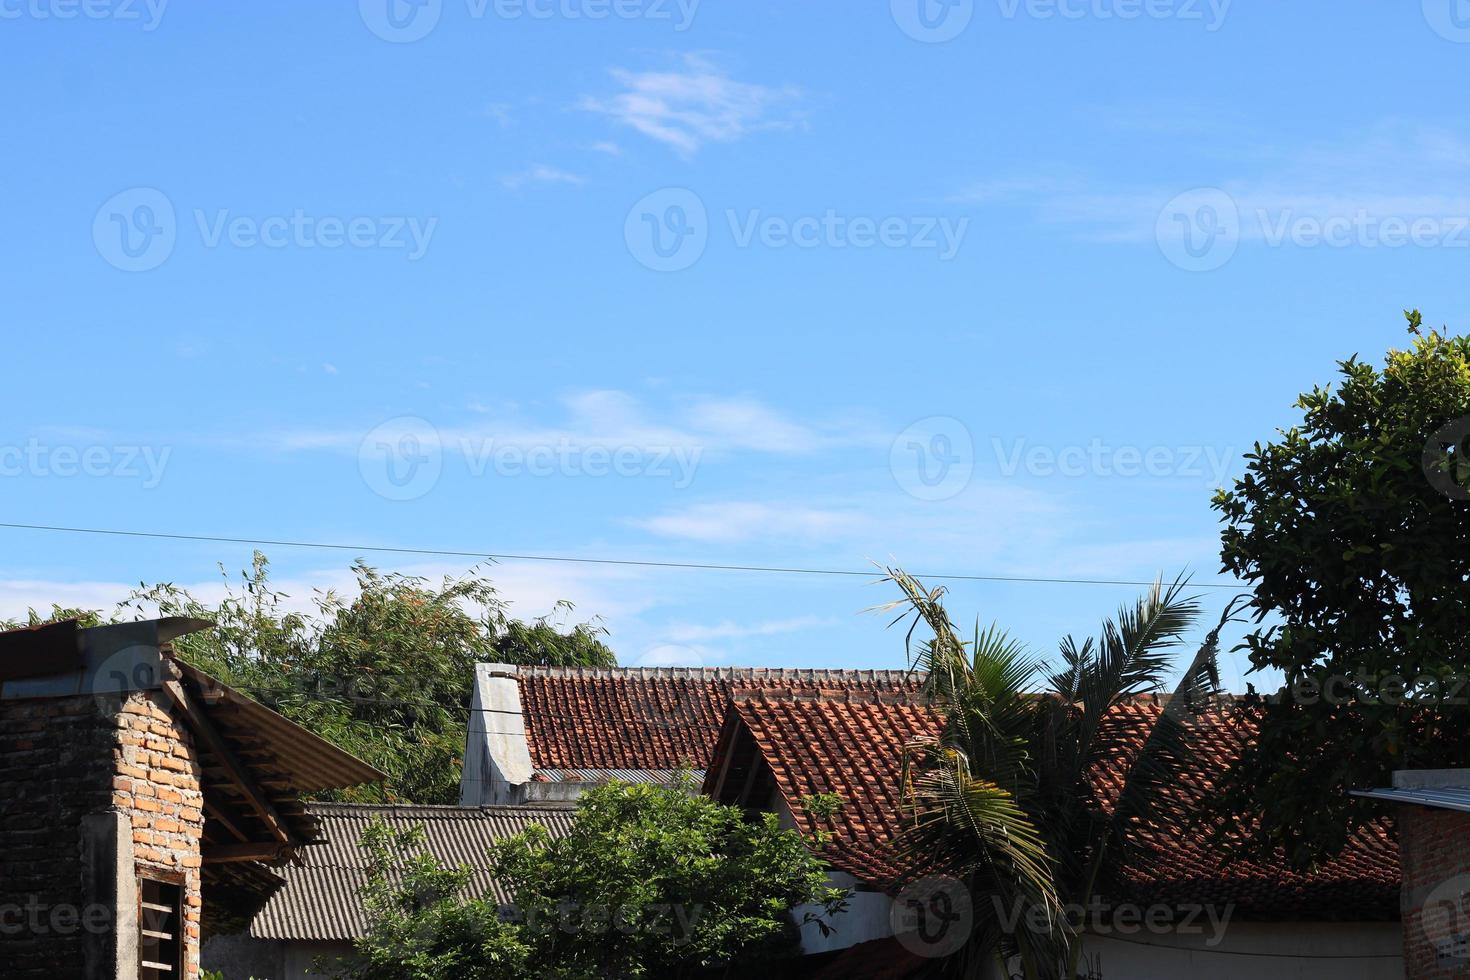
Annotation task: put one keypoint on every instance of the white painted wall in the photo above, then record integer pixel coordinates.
(1274, 951)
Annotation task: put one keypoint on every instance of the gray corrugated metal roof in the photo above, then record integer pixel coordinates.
(1443, 799)
(320, 899)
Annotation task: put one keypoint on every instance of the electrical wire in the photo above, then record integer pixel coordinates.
(568, 559)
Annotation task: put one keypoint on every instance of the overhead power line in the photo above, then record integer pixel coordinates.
(573, 560)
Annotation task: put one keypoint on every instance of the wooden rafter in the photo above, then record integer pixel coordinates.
(205, 730)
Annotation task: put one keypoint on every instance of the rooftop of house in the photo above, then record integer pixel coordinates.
(655, 719)
(852, 746)
(320, 902)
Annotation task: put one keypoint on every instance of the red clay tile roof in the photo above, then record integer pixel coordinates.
(654, 717)
(1360, 883)
(852, 747)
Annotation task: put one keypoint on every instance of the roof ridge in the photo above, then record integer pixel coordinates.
(719, 673)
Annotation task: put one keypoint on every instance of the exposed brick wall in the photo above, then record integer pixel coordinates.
(62, 759)
(55, 768)
(1435, 852)
(157, 783)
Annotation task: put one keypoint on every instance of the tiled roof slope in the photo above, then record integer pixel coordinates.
(1362, 883)
(852, 747)
(655, 717)
(320, 899)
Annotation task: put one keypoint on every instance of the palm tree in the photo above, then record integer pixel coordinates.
(1038, 748)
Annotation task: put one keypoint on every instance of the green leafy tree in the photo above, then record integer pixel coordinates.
(386, 675)
(653, 881)
(1353, 529)
(420, 927)
(1004, 797)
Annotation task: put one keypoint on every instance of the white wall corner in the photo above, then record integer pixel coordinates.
(497, 758)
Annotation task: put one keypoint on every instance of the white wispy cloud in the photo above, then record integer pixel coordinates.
(540, 173)
(731, 630)
(696, 104)
(613, 418)
(745, 520)
(1361, 175)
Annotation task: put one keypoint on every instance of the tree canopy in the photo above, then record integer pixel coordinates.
(386, 674)
(652, 881)
(1352, 528)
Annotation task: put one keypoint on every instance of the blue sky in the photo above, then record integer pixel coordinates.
(1003, 289)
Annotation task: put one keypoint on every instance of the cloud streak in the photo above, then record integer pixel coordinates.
(697, 104)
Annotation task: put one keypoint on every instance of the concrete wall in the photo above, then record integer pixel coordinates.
(497, 757)
(1258, 951)
(243, 958)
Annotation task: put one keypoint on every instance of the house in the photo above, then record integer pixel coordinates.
(540, 734)
(1214, 919)
(146, 805)
(1434, 848)
(765, 739)
(317, 912)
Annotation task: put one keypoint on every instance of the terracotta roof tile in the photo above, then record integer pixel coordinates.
(655, 717)
(852, 747)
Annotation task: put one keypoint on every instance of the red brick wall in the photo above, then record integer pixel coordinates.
(156, 783)
(62, 759)
(1435, 848)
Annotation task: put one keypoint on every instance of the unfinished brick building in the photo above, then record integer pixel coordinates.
(142, 803)
(1434, 846)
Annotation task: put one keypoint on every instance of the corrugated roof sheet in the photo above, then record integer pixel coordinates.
(310, 762)
(652, 718)
(320, 899)
(1442, 798)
